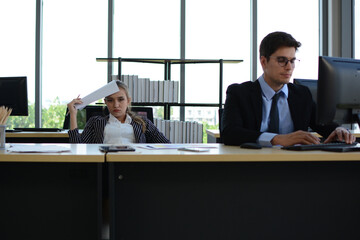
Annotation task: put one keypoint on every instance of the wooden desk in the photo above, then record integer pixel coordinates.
(51, 195)
(213, 135)
(233, 193)
(37, 137)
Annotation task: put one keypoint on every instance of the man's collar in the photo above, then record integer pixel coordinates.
(268, 92)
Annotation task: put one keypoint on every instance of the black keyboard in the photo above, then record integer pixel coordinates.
(333, 146)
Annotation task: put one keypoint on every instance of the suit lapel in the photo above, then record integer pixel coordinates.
(256, 102)
(294, 107)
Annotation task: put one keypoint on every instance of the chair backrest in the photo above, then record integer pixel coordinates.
(103, 111)
(145, 112)
(95, 111)
(81, 118)
(311, 84)
(66, 124)
(221, 110)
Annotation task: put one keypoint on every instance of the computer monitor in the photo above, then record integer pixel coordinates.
(13, 94)
(338, 96)
(309, 83)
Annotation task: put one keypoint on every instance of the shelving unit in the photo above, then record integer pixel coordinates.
(167, 77)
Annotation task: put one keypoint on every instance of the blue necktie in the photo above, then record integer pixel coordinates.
(274, 115)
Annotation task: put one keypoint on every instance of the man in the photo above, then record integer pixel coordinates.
(249, 115)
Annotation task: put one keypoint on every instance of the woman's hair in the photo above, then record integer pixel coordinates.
(275, 40)
(133, 115)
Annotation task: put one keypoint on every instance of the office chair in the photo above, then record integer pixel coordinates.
(80, 119)
(221, 110)
(144, 112)
(66, 124)
(103, 111)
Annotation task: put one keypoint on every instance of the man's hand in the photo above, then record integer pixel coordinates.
(341, 134)
(298, 137)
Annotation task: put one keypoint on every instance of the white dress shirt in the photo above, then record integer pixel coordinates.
(286, 124)
(119, 133)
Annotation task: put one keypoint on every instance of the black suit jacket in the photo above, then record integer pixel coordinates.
(242, 115)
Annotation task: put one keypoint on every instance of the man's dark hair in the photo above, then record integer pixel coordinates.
(275, 40)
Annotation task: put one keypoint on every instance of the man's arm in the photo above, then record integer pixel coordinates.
(239, 121)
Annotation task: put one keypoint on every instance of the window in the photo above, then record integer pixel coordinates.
(147, 29)
(17, 50)
(288, 16)
(74, 35)
(216, 30)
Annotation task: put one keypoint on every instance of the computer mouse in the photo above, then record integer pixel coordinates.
(251, 145)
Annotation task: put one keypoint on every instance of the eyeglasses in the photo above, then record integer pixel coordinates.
(283, 61)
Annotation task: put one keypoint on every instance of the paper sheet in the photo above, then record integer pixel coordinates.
(174, 146)
(102, 92)
(37, 149)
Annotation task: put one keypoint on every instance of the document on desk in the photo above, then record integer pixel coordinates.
(174, 146)
(37, 149)
(102, 92)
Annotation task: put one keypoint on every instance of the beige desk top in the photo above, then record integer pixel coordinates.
(78, 153)
(62, 134)
(216, 133)
(222, 153)
(213, 132)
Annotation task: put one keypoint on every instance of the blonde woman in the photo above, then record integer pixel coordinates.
(121, 126)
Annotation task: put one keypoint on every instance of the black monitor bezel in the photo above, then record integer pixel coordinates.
(335, 76)
(20, 108)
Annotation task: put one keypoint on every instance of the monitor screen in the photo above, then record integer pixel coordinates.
(13, 94)
(338, 98)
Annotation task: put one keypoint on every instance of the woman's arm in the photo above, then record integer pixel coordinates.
(73, 112)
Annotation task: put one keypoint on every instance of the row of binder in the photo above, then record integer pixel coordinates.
(151, 91)
(180, 131)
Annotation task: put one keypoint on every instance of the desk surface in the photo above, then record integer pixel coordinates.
(217, 153)
(78, 153)
(222, 153)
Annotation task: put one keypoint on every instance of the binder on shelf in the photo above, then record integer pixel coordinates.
(179, 131)
(161, 91)
(141, 89)
(156, 91)
(147, 90)
(131, 86)
(176, 92)
(171, 91)
(183, 129)
(200, 133)
(166, 91)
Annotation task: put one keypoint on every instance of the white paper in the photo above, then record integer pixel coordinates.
(37, 149)
(102, 92)
(174, 146)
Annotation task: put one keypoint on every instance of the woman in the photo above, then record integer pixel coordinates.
(121, 126)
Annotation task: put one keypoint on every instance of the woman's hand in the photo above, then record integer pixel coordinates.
(73, 112)
(71, 105)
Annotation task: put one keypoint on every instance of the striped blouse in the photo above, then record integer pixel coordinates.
(94, 132)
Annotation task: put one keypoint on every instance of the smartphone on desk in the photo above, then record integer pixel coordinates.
(117, 148)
